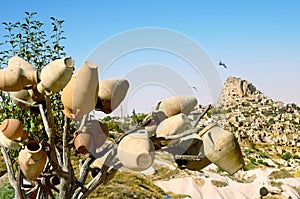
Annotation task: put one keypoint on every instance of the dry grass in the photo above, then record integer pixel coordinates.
(218, 183)
(281, 174)
(2, 166)
(128, 185)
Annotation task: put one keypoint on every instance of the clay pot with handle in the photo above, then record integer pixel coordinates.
(32, 160)
(84, 142)
(80, 95)
(177, 104)
(111, 93)
(55, 76)
(222, 148)
(31, 96)
(173, 125)
(152, 120)
(136, 151)
(15, 78)
(99, 131)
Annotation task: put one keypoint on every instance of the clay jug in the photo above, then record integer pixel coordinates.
(29, 72)
(177, 104)
(55, 76)
(15, 78)
(84, 142)
(31, 96)
(111, 93)
(18, 61)
(32, 160)
(12, 129)
(190, 145)
(99, 131)
(7, 143)
(136, 151)
(79, 97)
(173, 125)
(222, 148)
(152, 121)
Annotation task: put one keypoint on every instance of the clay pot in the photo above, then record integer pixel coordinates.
(153, 120)
(191, 145)
(31, 96)
(79, 97)
(7, 143)
(111, 93)
(15, 78)
(32, 160)
(12, 129)
(173, 125)
(55, 76)
(84, 142)
(177, 104)
(222, 148)
(136, 151)
(18, 61)
(99, 131)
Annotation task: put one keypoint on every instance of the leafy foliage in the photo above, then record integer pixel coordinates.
(6, 191)
(29, 40)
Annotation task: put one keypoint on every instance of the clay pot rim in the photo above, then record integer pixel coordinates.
(91, 65)
(69, 62)
(40, 147)
(4, 125)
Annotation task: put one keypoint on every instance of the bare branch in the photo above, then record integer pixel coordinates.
(101, 176)
(24, 102)
(10, 170)
(50, 129)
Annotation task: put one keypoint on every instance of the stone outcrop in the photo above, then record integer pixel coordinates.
(254, 117)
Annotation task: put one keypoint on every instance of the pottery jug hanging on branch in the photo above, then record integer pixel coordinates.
(111, 93)
(32, 160)
(13, 129)
(18, 75)
(136, 151)
(15, 78)
(31, 96)
(222, 148)
(55, 76)
(99, 131)
(18, 61)
(177, 104)
(152, 121)
(79, 96)
(84, 142)
(173, 125)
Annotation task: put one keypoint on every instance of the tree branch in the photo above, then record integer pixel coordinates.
(25, 103)
(10, 171)
(49, 127)
(101, 176)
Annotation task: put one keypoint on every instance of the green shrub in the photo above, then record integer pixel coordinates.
(6, 191)
(249, 167)
(286, 156)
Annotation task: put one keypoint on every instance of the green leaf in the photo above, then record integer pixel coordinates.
(27, 20)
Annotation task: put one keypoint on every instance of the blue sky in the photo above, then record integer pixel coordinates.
(258, 40)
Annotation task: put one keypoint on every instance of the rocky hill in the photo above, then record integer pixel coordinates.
(256, 118)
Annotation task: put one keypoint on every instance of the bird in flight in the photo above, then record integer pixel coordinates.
(222, 64)
(193, 87)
